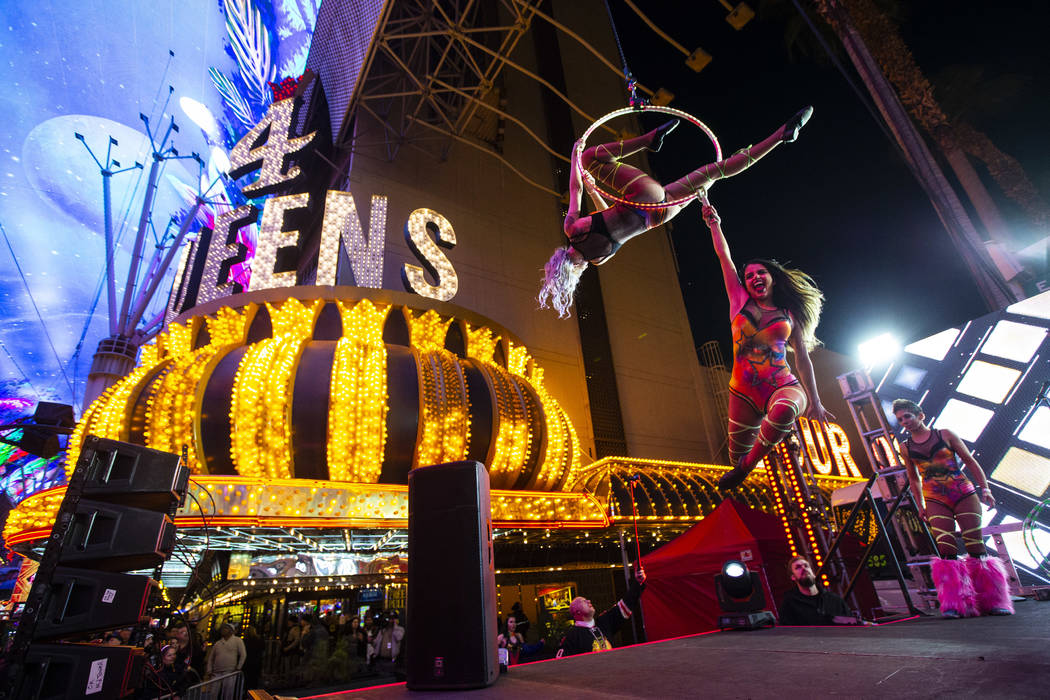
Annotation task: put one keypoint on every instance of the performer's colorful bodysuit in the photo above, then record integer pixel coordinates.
(949, 495)
(942, 477)
(760, 354)
(761, 379)
(610, 227)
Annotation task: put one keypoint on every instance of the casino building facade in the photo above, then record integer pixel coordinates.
(357, 353)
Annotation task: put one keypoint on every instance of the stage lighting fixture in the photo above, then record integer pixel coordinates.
(59, 415)
(740, 596)
(35, 441)
(879, 351)
(39, 435)
(738, 16)
(698, 59)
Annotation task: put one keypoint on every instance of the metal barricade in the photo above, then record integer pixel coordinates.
(226, 686)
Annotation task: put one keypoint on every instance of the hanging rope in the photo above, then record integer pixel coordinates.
(632, 84)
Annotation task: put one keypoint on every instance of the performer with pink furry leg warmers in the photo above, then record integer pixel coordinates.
(944, 496)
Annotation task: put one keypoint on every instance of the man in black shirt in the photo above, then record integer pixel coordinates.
(808, 604)
(589, 633)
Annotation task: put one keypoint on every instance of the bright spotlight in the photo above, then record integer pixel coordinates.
(879, 350)
(734, 569)
(739, 593)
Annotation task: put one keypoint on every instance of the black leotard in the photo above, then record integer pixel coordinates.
(595, 245)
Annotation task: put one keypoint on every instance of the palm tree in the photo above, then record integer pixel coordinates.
(874, 44)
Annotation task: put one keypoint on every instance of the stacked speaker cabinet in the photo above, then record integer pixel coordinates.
(451, 579)
(117, 516)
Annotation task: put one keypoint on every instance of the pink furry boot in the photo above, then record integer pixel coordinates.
(991, 586)
(954, 588)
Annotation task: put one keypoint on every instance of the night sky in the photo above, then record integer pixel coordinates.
(840, 203)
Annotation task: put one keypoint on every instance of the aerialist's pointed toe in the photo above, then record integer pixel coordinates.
(733, 478)
(795, 124)
(661, 131)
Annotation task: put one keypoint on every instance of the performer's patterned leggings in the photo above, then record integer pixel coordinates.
(942, 516)
(604, 164)
(752, 433)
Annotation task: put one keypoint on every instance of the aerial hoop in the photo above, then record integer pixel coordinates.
(593, 186)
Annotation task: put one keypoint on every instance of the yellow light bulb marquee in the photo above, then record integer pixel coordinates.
(444, 426)
(165, 393)
(481, 344)
(260, 413)
(785, 486)
(246, 359)
(807, 521)
(780, 507)
(232, 501)
(562, 445)
(175, 400)
(358, 408)
(512, 436)
(672, 491)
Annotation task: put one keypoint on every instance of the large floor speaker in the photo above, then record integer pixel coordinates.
(61, 671)
(451, 637)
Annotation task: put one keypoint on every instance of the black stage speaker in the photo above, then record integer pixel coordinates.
(117, 538)
(117, 515)
(134, 476)
(82, 600)
(61, 671)
(451, 579)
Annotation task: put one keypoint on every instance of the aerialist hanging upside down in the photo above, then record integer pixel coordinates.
(596, 238)
(770, 307)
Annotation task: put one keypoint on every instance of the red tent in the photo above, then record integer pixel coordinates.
(680, 576)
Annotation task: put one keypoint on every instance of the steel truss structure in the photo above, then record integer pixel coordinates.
(433, 79)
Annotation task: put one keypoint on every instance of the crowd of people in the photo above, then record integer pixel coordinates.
(376, 644)
(179, 657)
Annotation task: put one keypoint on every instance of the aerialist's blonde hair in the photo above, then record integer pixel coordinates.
(561, 275)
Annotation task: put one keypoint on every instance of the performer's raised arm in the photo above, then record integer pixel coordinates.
(735, 291)
(575, 194)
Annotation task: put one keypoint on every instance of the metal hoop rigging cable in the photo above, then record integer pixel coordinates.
(593, 186)
(638, 104)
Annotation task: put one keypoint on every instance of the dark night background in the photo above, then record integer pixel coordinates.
(840, 203)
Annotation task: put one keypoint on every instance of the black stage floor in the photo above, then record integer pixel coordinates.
(987, 657)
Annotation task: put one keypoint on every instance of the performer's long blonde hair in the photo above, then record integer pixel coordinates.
(561, 275)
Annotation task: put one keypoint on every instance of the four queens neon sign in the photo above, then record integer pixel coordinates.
(268, 148)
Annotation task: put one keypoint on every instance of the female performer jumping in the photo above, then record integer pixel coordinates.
(770, 307)
(944, 497)
(596, 238)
